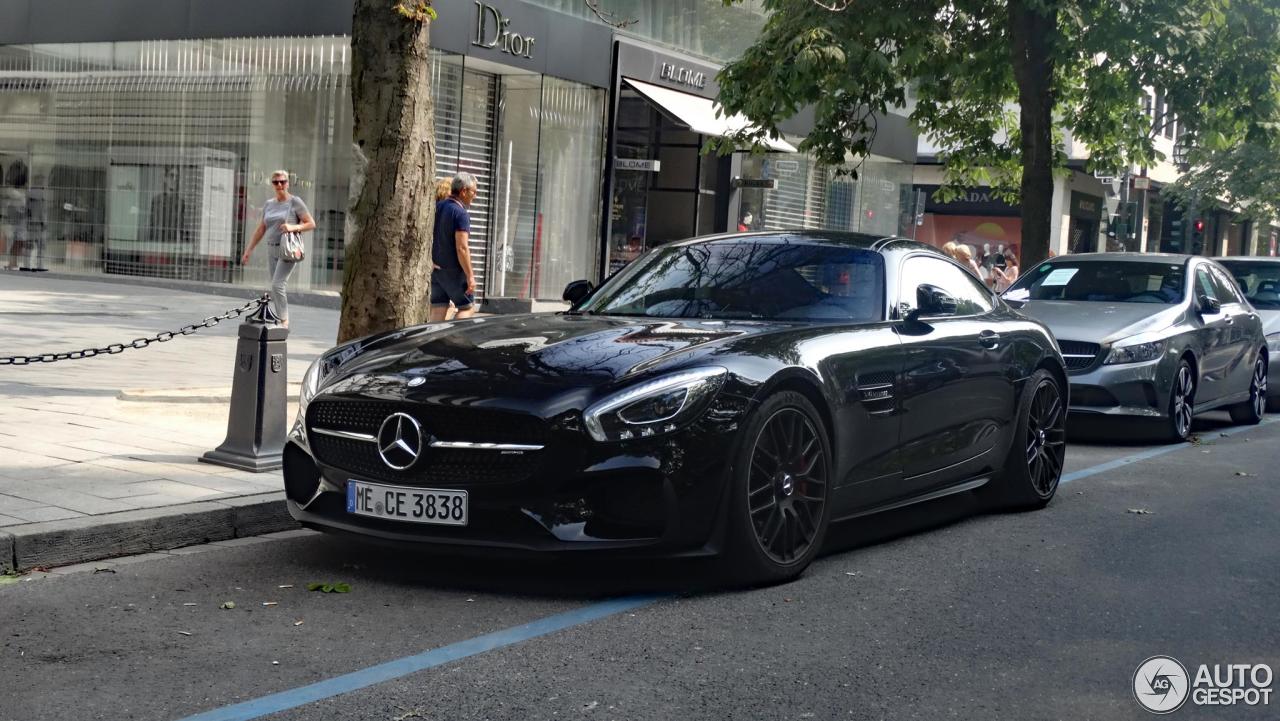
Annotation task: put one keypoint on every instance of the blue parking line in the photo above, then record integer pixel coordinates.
(391, 670)
(356, 680)
(1149, 454)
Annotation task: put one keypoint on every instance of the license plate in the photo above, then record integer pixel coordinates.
(416, 505)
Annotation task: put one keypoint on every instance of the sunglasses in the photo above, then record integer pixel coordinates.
(279, 182)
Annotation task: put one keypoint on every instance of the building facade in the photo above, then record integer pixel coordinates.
(143, 133)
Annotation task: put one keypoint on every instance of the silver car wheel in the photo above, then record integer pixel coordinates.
(1183, 387)
(1258, 393)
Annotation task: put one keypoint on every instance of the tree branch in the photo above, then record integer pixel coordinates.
(607, 17)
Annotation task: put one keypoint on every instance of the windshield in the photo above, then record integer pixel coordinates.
(1103, 282)
(764, 279)
(1259, 281)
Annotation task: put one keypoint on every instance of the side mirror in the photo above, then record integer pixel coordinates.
(1209, 306)
(934, 301)
(577, 291)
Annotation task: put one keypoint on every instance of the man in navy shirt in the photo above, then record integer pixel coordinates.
(452, 279)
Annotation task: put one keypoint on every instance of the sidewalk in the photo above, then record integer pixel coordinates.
(98, 456)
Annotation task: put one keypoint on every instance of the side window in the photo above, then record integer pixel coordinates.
(1225, 287)
(970, 295)
(1204, 286)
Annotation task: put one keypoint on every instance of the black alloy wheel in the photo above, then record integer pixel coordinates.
(1182, 398)
(1251, 411)
(1046, 438)
(1037, 453)
(781, 490)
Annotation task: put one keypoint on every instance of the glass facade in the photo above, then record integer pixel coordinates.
(707, 28)
(152, 158)
(808, 195)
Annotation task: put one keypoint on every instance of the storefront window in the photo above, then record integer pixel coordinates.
(808, 195)
(572, 167)
(516, 228)
(153, 158)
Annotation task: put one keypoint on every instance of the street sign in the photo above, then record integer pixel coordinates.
(646, 166)
(766, 183)
(1142, 183)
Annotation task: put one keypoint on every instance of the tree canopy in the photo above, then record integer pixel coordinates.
(1000, 84)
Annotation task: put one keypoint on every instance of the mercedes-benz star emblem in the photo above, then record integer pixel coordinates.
(400, 441)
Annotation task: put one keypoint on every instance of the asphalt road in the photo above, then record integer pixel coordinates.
(932, 612)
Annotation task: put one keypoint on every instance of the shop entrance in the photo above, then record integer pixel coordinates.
(664, 187)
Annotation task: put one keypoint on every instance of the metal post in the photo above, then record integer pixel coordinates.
(257, 425)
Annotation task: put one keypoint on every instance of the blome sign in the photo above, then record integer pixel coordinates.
(1162, 685)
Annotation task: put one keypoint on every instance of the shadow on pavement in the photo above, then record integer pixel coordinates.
(595, 578)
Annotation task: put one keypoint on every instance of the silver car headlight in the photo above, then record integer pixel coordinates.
(1135, 353)
(655, 407)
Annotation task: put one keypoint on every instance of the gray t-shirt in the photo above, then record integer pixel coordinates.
(275, 212)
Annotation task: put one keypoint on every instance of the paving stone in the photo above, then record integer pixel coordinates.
(45, 513)
(71, 500)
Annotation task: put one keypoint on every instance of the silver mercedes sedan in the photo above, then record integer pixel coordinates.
(1259, 278)
(1155, 336)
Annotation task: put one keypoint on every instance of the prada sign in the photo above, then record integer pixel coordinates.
(683, 76)
(492, 32)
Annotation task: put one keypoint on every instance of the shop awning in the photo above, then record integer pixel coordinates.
(699, 113)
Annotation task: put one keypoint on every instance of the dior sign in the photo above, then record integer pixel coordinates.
(683, 76)
(492, 32)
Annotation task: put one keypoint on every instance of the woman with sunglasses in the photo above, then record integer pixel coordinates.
(282, 214)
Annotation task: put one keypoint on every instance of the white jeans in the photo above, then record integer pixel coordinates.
(280, 271)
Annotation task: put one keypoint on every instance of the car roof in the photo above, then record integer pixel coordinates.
(869, 241)
(1247, 259)
(1123, 257)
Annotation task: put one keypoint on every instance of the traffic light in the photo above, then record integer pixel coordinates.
(1197, 236)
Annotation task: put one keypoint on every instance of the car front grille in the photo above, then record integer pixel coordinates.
(443, 466)
(1080, 356)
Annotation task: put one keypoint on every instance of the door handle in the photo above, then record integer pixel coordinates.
(989, 338)
(1231, 320)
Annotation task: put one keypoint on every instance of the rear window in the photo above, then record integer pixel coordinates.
(1103, 282)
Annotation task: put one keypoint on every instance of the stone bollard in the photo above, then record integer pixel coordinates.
(259, 398)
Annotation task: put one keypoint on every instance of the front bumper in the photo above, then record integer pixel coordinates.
(661, 497)
(1126, 389)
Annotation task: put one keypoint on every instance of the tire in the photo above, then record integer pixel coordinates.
(1181, 409)
(779, 501)
(1250, 412)
(1033, 465)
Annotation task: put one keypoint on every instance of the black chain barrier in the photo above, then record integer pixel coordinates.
(114, 348)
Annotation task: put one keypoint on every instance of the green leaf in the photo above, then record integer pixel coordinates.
(341, 588)
(314, 586)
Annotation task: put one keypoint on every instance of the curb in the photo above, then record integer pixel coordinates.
(127, 533)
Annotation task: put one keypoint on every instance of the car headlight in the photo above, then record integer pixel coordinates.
(655, 407)
(1136, 353)
(310, 384)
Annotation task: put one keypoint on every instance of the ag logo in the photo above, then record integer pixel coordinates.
(1161, 684)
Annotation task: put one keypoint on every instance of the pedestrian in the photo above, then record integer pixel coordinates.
(444, 187)
(452, 278)
(964, 255)
(950, 249)
(1006, 276)
(284, 213)
(13, 211)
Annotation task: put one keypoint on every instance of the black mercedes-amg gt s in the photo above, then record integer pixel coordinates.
(730, 395)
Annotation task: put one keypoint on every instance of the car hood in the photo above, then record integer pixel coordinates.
(1093, 322)
(528, 358)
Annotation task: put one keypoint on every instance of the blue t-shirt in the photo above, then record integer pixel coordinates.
(450, 218)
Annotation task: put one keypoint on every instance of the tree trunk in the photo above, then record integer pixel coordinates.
(392, 202)
(1032, 32)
